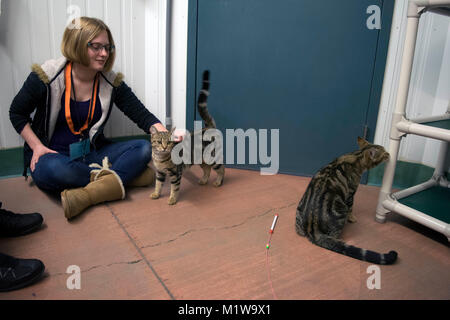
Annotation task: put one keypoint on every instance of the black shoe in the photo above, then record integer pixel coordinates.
(18, 273)
(17, 224)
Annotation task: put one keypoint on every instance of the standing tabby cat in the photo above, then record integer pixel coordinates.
(327, 203)
(162, 146)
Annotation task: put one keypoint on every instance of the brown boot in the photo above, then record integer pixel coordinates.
(107, 186)
(145, 179)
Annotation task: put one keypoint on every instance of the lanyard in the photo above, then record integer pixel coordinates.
(68, 80)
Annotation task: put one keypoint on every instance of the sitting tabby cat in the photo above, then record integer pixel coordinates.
(162, 145)
(327, 203)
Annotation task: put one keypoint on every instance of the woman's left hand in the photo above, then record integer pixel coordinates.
(178, 135)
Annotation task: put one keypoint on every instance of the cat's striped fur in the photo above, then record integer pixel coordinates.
(328, 200)
(162, 146)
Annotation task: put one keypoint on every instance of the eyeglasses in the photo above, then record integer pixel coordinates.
(97, 47)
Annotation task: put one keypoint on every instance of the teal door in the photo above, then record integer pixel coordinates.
(312, 69)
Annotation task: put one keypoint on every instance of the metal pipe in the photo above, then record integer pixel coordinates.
(416, 189)
(399, 112)
(427, 3)
(399, 125)
(407, 62)
(388, 179)
(417, 216)
(439, 170)
(440, 117)
(423, 130)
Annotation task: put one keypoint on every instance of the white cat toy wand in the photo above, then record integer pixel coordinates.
(274, 223)
(272, 228)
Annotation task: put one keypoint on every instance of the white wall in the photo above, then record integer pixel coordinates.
(31, 32)
(429, 92)
(156, 56)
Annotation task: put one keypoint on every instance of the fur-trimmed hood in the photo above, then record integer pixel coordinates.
(47, 71)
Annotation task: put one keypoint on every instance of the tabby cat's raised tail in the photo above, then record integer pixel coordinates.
(338, 246)
(203, 102)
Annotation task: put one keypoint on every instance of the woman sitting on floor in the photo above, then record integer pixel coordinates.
(73, 97)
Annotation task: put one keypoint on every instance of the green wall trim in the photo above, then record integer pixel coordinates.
(407, 174)
(11, 160)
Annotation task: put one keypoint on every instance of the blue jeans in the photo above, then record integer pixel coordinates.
(55, 172)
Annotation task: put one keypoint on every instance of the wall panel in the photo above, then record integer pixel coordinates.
(31, 32)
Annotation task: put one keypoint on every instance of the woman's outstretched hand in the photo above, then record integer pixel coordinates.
(178, 134)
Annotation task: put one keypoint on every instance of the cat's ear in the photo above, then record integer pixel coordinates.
(372, 152)
(171, 133)
(362, 142)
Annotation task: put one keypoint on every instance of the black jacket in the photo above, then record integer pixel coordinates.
(42, 92)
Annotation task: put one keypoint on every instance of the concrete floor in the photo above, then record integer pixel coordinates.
(211, 245)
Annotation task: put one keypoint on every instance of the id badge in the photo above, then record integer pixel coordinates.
(79, 149)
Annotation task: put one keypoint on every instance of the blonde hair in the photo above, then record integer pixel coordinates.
(76, 36)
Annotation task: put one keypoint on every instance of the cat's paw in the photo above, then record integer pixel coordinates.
(154, 195)
(217, 183)
(172, 201)
(203, 181)
(351, 218)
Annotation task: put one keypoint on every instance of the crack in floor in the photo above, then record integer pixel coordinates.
(217, 228)
(98, 266)
(144, 258)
